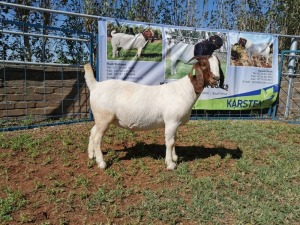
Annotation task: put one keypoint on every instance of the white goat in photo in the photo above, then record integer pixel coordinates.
(261, 49)
(141, 107)
(128, 41)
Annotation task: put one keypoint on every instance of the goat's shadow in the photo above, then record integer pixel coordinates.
(151, 55)
(185, 153)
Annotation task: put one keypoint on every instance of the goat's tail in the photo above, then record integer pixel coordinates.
(89, 77)
(113, 32)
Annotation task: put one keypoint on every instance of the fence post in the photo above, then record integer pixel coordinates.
(291, 69)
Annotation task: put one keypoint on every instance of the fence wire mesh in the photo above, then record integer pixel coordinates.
(289, 95)
(43, 84)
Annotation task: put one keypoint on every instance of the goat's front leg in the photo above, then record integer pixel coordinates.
(173, 65)
(267, 59)
(139, 52)
(170, 136)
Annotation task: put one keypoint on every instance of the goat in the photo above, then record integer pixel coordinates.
(261, 49)
(141, 107)
(128, 41)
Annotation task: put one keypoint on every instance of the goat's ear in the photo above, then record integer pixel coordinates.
(196, 77)
(193, 72)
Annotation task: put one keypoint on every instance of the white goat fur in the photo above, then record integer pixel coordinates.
(127, 41)
(262, 49)
(140, 107)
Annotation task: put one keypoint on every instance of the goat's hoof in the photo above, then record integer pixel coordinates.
(175, 158)
(102, 165)
(91, 155)
(171, 166)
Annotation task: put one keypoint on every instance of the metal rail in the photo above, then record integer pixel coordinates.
(105, 18)
(42, 35)
(38, 63)
(291, 75)
(49, 10)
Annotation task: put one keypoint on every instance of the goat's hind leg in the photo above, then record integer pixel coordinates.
(102, 121)
(91, 147)
(98, 153)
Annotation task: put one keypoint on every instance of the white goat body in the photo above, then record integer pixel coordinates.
(261, 49)
(128, 41)
(140, 107)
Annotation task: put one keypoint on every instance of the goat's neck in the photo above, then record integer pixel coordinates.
(188, 89)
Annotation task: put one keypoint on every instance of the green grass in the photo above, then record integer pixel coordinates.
(12, 201)
(229, 172)
(152, 52)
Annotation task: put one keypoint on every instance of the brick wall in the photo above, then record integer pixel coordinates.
(42, 92)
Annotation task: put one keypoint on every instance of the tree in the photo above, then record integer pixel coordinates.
(23, 15)
(276, 16)
(28, 47)
(286, 16)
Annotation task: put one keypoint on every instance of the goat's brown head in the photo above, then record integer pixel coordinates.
(148, 35)
(201, 75)
(242, 42)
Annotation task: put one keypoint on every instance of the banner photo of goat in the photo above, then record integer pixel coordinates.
(185, 45)
(241, 63)
(253, 71)
(131, 51)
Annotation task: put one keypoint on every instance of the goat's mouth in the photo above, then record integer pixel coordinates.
(213, 82)
(217, 78)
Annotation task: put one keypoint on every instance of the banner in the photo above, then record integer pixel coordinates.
(157, 54)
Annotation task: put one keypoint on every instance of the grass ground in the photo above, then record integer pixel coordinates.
(151, 52)
(229, 172)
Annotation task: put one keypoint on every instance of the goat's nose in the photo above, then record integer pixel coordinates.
(213, 83)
